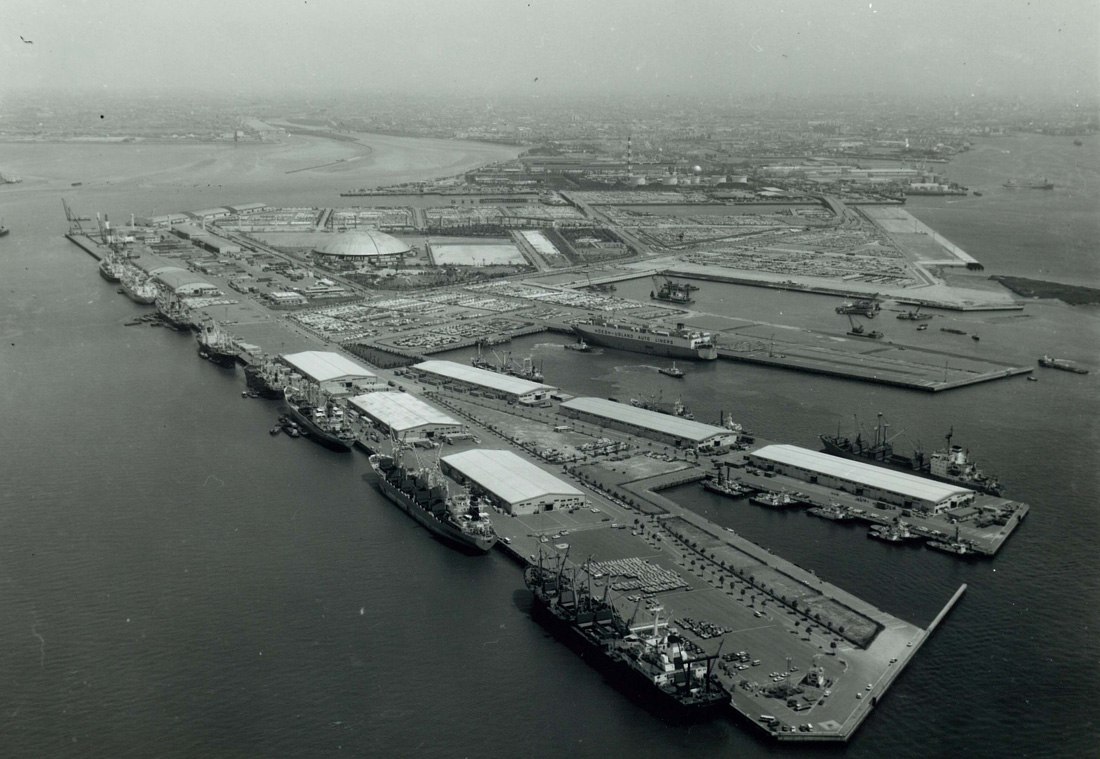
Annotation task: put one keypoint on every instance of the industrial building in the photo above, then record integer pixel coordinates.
(182, 282)
(859, 478)
(665, 428)
(514, 484)
(361, 248)
(405, 417)
(484, 381)
(332, 373)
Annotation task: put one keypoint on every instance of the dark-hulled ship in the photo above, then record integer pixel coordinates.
(681, 343)
(323, 421)
(422, 493)
(172, 310)
(215, 345)
(259, 376)
(648, 661)
(952, 464)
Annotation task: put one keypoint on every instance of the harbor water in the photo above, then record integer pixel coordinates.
(178, 583)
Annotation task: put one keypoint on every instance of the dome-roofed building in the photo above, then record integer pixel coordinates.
(361, 248)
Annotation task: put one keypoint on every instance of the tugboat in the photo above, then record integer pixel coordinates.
(951, 464)
(672, 371)
(423, 494)
(324, 421)
(647, 661)
(215, 345)
(580, 346)
(922, 328)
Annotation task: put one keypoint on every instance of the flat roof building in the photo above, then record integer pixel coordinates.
(652, 424)
(245, 208)
(209, 213)
(332, 373)
(405, 416)
(182, 282)
(494, 383)
(859, 478)
(515, 484)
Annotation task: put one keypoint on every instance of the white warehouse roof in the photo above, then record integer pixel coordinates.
(323, 366)
(493, 380)
(507, 476)
(650, 420)
(401, 411)
(867, 474)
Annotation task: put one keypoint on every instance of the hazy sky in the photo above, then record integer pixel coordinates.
(954, 47)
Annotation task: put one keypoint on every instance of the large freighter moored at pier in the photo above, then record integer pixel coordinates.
(422, 494)
(324, 422)
(681, 342)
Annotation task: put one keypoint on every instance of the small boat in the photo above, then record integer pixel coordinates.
(975, 337)
(275, 430)
(922, 328)
(672, 371)
(952, 331)
(244, 393)
(580, 346)
(1032, 379)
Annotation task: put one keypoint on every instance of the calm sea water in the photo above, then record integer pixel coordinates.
(176, 582)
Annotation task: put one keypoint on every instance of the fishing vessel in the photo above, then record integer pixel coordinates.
(422, 493)
(952, 464)
(138, 286)
(323, 420)
(1064, 364)
(681, 342)
(672, 371)
(215, 345)
(646, 660)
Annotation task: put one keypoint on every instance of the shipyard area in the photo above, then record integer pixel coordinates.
(346, 319)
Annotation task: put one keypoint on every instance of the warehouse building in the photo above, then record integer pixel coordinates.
(859, 478)
(665, 428)
(405, 417)
(512, 483)
(183, 283)
(332, 373)
(494, 384)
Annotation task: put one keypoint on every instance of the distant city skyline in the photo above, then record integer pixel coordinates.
(493, 47)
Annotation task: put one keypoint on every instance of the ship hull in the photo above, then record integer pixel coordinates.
(178, 324)
(143, 300)
(225, 360)
(107, 274)
(324, 438)
(255, 381)
(441, 530)
(636, 345)
(634, 684)
(903, 464)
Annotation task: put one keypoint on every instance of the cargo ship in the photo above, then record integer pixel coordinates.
(681, 342)
(111, 269)
(215, 345)
(324, 422)
(951, 465)
(422, 494)
(655, 403)
(256, 378)
(508, 365)
(138, 286)
(935, 188)
(1063, 364)
(722, 484)
(173, 311)
(1042, 184)
(648, 661)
